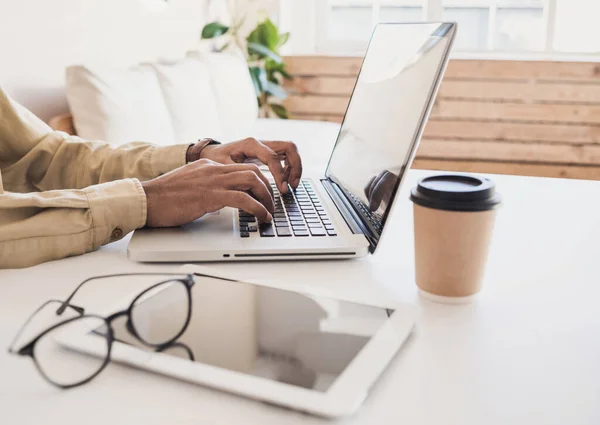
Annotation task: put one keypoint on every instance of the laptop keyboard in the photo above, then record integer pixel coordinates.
(298, 213)
(372, 217)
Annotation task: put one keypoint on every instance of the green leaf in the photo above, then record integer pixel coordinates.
(262, 52)
(259, 79)
(280, 111)
(274, 68)
(285, 74)
(270, 34)
(283, 38)
(255, 79)
(254, 37)
(214, 29)
(266, 33)
(275, 89)
(271, 66)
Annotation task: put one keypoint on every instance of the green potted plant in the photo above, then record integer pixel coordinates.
(266, 67)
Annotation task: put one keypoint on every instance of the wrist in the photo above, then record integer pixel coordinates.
(194, 152)
(148, 188)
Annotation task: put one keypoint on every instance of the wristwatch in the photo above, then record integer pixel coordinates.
(193, 152)
(208, 141)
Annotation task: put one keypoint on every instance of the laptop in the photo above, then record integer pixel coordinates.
(341, 213)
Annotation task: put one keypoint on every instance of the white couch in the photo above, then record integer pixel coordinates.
(201, 95)
(163, 107)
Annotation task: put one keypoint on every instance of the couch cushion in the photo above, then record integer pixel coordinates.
(118, 106)
(234, 90)
(190, 99)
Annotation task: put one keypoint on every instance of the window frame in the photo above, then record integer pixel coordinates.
(316, 31)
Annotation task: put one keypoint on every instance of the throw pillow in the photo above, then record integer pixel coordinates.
(188, 93)
(118, 106)
(234, 90)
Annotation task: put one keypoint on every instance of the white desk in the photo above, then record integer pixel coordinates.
(526, 353)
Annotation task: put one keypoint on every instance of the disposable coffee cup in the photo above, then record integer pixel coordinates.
(454, 216)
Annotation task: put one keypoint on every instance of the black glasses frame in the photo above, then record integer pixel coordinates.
(29, 348)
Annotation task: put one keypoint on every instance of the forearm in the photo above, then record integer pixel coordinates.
(39, 227)
(35, 158)
(59, 162)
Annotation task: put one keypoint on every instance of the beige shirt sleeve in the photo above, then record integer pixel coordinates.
(61, 195)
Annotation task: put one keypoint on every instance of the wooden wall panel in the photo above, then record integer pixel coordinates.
(336, 86)
(491, 111)
(326, 105)
(470, 69)
(524, 70)
(512, 131)
(512, 168)
(464, 110)
(521, 92)
(323, 65)
(510, 152)
(515, 117)
(501, 91)
(318, 117)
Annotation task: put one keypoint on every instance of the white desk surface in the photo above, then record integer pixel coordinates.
(526, 352)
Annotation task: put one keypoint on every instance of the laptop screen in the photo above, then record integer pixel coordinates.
(385, 116)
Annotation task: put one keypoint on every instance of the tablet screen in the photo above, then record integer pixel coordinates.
(284, 336)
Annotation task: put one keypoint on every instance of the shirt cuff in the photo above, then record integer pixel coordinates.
(167, 158)
(117, 208)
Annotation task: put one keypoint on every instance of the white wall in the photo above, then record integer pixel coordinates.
(39, 38)
(300, 18)
(255, 11)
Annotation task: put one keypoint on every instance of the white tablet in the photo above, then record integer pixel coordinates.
(296, 349)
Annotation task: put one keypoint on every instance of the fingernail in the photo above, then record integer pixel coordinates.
(269, 218)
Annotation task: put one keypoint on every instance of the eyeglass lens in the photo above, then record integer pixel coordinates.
(64, 366)
(149, 310)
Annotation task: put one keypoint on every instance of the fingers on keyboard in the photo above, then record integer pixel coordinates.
(298, 213)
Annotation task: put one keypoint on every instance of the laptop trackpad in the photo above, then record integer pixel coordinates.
(220, 222)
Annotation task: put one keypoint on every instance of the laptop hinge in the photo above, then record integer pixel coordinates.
(347, 211)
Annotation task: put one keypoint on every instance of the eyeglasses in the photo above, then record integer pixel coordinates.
(65, 368)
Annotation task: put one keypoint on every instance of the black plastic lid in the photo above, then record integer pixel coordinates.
(456, 192)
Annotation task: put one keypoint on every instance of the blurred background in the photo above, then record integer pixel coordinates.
(488, 28)
(521, 94)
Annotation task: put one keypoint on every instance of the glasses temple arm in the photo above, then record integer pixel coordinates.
(79, 310)
(66, 303)
(216, 277)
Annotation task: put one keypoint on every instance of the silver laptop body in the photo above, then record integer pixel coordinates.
(342, 213)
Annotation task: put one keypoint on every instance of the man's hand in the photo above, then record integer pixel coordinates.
(187, 193)
(269, 153)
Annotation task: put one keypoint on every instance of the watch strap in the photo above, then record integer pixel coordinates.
(194, 151)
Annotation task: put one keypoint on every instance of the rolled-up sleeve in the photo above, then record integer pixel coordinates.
(39, 227)
(62, 196)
